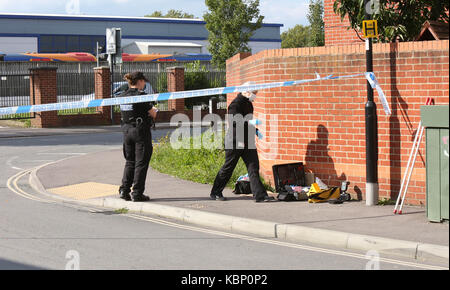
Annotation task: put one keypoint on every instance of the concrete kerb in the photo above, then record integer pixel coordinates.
(196, 217)
(290, 233)
(382, 245)
(428, 252)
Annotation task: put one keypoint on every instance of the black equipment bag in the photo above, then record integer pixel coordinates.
(242, 187)
(285, 175)
(288, 195)
(288, 174)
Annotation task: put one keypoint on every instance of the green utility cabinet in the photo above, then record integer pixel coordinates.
(435, 119)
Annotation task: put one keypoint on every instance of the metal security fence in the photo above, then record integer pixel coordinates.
(74, 87)
(80, 67)
(163, 106)
(15, 91)
(156, 73)
(12, 68)
(222, 105)
(76, 80)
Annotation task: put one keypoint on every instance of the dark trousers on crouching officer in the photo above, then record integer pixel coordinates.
(240, 143)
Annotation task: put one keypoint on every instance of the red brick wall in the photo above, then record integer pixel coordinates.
(336, 32)
(323, 124)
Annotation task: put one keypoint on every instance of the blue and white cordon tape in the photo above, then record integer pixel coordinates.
(182, 95)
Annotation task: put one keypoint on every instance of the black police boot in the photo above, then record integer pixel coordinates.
(218, 197)
(124, 195)
(140, 198)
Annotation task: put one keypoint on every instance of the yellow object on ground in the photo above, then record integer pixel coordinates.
(323, 195)
(86, 190)
(315, 188)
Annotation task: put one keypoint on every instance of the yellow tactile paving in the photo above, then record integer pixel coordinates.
(86, 190)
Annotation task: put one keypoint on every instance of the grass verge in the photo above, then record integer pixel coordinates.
(386, 201)
(197, 165)
(122, 211)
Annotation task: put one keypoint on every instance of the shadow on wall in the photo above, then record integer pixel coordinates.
(395, 144)
(319, 161)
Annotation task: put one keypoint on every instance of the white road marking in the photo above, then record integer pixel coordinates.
(38, 160)
(9, 163)
(44, 153)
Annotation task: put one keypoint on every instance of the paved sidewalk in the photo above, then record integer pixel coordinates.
(7, 131)
(104, 170)
(14, 132)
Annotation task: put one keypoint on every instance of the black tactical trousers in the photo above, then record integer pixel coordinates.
(137, 150)
(251, 160)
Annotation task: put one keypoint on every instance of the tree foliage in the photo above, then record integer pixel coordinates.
(315, 18)
(172, 13)
(311, 35)
(397, 20)
(231, 23)
(298, 36)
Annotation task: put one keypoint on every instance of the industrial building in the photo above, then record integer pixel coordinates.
(21, 33)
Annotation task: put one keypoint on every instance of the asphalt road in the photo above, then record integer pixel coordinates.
(38, 234)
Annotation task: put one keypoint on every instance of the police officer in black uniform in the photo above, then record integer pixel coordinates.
(241, 146)
(137, 141)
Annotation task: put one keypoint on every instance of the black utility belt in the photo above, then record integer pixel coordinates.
(136, 122)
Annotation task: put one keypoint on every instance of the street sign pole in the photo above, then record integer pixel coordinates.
(112, 86)
(96, 54)
(114, 51)
(372, 187)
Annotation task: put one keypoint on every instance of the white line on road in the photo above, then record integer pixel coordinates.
(38, 160)
(9, 163)
(45, 153)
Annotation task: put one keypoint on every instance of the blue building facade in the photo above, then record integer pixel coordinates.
(21, 33)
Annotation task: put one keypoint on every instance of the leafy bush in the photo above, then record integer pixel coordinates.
(196, 78)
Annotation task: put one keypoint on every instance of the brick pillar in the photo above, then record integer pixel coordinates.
(103, 89)
(43, 88)
(175, 83)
